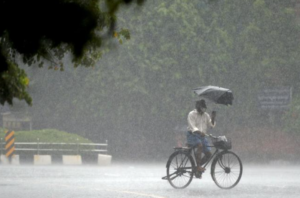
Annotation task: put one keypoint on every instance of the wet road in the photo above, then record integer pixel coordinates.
(125, 180)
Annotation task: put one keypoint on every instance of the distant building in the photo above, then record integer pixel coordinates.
(4, 110)
(14, 120)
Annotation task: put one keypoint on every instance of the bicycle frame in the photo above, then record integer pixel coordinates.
(209, 159)
(192, 152)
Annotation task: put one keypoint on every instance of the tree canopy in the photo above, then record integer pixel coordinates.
(46, 30)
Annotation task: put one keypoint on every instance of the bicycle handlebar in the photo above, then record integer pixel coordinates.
(210, 135)
(219, 138)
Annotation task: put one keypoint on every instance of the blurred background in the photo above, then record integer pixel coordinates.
(139, 93)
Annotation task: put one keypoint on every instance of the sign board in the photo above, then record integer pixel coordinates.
(275, 98)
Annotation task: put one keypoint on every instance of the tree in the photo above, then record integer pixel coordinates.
(177, 46)
(143, 90)
(44, 31)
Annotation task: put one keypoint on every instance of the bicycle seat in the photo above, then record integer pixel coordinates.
(190, 146)
(182, 148)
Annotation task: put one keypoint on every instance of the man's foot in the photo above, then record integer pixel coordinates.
(198, 175)
(200, 169)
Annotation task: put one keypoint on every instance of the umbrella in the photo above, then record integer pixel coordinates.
(216, 94)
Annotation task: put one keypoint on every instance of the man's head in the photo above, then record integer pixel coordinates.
(201, 106)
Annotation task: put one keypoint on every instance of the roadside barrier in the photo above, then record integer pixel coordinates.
(13, 160)
(71, 152)
(42, 160)
(72, 159)
(104, 160)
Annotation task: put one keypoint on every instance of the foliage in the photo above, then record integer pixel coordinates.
(265, 144)
(47, 135)
(292, 117)
(182, 45)
(46, 30)
(13, 84)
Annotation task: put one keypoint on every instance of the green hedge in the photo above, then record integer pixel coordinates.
(46, 135)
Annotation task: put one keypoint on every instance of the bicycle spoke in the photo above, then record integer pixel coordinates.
(227, 170)
(179, 170)
(171, 178)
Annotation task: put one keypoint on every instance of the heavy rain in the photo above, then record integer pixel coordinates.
(95, 98)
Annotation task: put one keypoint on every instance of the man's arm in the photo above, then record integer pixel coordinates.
(212, 119)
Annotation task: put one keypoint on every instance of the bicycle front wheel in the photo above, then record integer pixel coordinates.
(180, 168)
(226, 170)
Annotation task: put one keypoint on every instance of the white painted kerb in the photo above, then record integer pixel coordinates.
(72, 159)
(15, 160)
(104, 160)
(42, 159)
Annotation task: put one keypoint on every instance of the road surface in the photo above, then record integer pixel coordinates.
(140, 181)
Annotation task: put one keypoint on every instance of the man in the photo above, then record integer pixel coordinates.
(198, 122)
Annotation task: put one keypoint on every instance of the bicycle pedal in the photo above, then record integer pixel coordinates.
(165, 178)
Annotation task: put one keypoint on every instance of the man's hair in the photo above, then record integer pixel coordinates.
(201, 103)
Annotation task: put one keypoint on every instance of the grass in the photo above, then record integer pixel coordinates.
(50, 136)
(46, 135)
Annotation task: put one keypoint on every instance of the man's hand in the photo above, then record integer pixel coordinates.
(213, 114)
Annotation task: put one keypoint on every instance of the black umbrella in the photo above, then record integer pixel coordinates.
(216, 94)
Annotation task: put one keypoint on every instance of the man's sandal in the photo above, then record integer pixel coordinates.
(199, 172)
(198, 175)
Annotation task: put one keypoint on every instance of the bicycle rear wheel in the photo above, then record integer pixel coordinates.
(180, 168)
(226, 170)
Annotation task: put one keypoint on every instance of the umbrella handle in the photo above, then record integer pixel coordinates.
(213, 113)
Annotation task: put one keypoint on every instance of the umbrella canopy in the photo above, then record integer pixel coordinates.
(216, 94)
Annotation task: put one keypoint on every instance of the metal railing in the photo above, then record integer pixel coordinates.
(57, 147)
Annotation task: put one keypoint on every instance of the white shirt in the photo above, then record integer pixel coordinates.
(198, 122)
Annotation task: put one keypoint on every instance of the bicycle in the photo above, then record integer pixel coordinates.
(226, 167)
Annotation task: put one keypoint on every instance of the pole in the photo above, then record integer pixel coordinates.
(77, 147)
(106, 141)
(2, 147)
(38, 146)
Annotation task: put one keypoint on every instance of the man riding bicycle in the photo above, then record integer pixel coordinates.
(198, 122)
